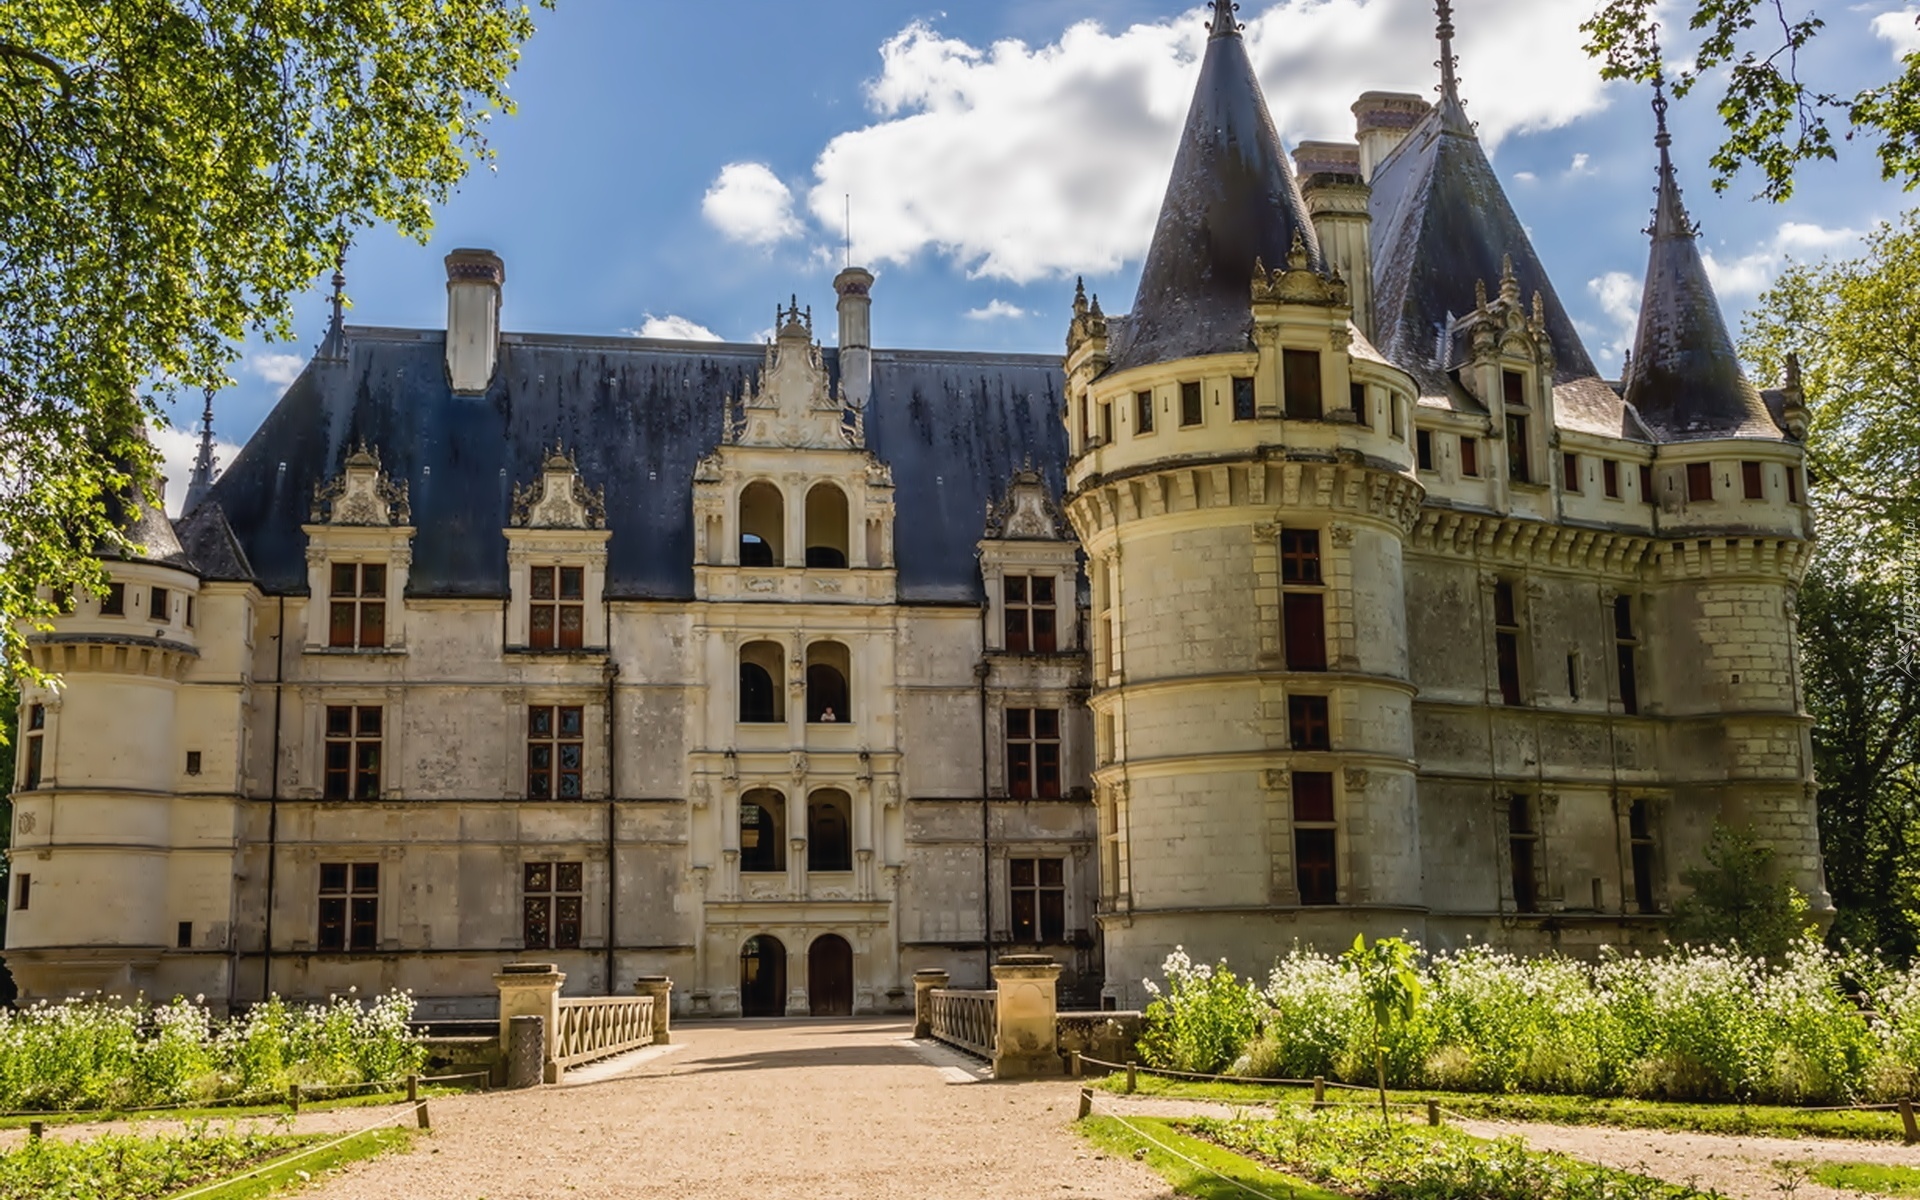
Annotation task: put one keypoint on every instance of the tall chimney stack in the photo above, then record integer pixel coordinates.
(474, 278)
(1337, 203)
(1382, 121)
(853, 286)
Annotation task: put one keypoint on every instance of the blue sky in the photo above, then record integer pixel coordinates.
(685, 164)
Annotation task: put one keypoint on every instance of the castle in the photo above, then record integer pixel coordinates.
(1330, 590)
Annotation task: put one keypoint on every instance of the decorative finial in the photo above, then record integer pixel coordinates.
(1449, 84)
(334, 345)
(1297, 253)
(1080, 296)
(1223, 23)
(200, 481)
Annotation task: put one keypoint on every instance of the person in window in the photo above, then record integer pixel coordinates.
(827, 717)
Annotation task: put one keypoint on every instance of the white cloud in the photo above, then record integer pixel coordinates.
(277, 369)
(177, 449)
(1899, 28)
(996, 310)
(1525, 177)
(748, 203)
(1749, 274)
(1581, 166)
(1618, 295)
(1024, 162)
(674, 328)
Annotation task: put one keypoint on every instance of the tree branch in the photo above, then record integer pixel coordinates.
(18, 53)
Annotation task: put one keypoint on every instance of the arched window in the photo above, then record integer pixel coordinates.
(762, 518)
(762, 699)
(826, 526)
(763, 841)
(829, 831)
(829, 666)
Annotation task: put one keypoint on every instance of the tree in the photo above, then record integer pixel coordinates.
(1739, 897)
(171, 174)
(1775, 118)
(1391, 985)
(1852, 329)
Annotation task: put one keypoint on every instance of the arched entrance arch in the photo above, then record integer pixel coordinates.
(763, 977)
(830, 976)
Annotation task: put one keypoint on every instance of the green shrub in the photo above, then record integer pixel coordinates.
(1203, 1021)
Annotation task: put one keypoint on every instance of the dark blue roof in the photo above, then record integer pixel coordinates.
(638, 414)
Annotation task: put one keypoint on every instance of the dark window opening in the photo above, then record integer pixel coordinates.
(556, 752)
(189, 621)
(827, 693)
(114, 603)
(1305, 617)
(36, 750)
(1506, 638)
(1573, 676)
(1300, 556)
(1519, 460)
(826, 558)
(1301, 371)
(763, 845)
(349, 907)
(756, 694)
(1793, 485)
(157, 601)
(1357, 401)
(1513, 386)
(1610, 478)
(193, 762)
(357, 609)
(1640, 840)
(1626, 649)
(1033, 753)
(754, 551)
(1190, 413)
(1038, 888)
(1570, 471)
(1522, 839)
(183, 936)
(1423, 449)
(1646, 484)
(1469, 457)
(1699, 481)
(1143, 412)
(551, 899)
(1313, 838)
(1307, 723)
(829, 832)
(1106, 422)
(1031, 618)
(23, 893)
(556, 616)
(1243, 409)
(1750, 481)
(352, 748)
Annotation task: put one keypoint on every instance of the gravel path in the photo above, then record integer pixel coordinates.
(815, 1109)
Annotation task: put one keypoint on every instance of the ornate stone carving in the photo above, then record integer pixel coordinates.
(1298, 282)
(1027, 511)
(1342, 534)
(799, 764)
(790, 404)
(361, 494)
(1357, 779)
(559, 499)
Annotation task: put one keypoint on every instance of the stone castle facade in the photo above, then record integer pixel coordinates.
(1329, 590)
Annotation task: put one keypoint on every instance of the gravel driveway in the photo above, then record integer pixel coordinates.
(815, 1109)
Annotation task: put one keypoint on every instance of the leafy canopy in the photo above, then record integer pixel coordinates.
(172, 172)
(1775, 117)
(1739, 897)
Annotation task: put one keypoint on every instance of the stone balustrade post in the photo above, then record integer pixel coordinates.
(531, 990)
(1027, 1040)
(661, 989)
(924, 981)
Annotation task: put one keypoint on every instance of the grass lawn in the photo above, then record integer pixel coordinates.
(1555, 1110)
(218, 1112)
(1868, 1177)
(295, 1171)
(1110, 1135)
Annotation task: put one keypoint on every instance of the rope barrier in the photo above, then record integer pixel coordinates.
(273, 1164)
(1351, 1087)
(307, 1091)
(1188, 1159)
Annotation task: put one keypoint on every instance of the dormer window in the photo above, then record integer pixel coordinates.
(556, 616)
(1301, 369)
(357, 612)
(1519, 461)
(1031, 619)
(1514, 386)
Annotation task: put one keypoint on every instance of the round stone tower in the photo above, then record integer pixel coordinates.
(1242, 482)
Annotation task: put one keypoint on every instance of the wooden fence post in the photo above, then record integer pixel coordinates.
(293, 1097)
(1073, 1061)
(413, 1089)
(1433, 1112)
(1319, 1091)
(37, 1129)
(421, 1110)
(1130, 1080)
(1910, 1127)
(1086, 1102)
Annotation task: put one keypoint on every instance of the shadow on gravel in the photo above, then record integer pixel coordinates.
(808, 1056)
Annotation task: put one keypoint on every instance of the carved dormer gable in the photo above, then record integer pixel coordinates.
(1298, 282)
(361, 494)
(1027, 511)
(1502, 328)
(560, 498)
(790, 405)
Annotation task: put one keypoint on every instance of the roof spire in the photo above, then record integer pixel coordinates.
(1449, 84)
(1223, 24)
(1669, 213)
(334, 345)
(201, 479)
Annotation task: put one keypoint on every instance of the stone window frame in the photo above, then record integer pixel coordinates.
(328, 545)
(1654, 806)
(592, 701)
(36, 718)
(1331, 825)
(1054, 558)
(354, 739)
(1075, 917)
(998, 702)
(349, 892)
(528, 549)
(315, 700)
(554, 894)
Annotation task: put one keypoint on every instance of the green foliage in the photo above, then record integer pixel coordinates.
(121, 1167)
(1775, 119)
(1111, 1135)
(1363, 1157)
(95, 1055)
(176, 173)
(1849, 325)
(1698, 1023)
(1204, 1020)
(1868, 1177)
(1391, 987)
(1738, 897)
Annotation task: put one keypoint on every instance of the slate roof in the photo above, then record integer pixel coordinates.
(1232, 198)
(1685, 379)
(639, 414)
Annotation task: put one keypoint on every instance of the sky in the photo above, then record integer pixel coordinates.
(678, 169)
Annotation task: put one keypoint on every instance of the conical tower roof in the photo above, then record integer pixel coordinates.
(1232, 199)
(1685, 380)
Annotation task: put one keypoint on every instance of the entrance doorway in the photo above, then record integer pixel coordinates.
(763, 977)
(830, 977)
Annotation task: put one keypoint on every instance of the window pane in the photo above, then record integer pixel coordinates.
(1302, 376)
(1243, 399)
(1023, 872)
(366, 924)
(573, 583)
(339, 755)
(344, 581)
(1014, 587)
(366, 877)
(1048, 769)
(566, 925)
(572, 626)
(1023, 914)
(543, 583)
(1519, 464)
(572, 719)
(1046, 722)
(373, 580)
(1503, 611)
(340, 623)
(1306, 631)
(539, 784)
(366, 784)
(1019, 722)
(539, 877)
(1313, 855)
(540, 722)
(1043, 589)
(1190, 404)
(540, 626)
(1053, 916)
(369, 721)
(333, 925)
(1052, 872)
(570, 756)
(339, 720)
(1143, 412)
(540, 757)
(567, 877)
(570, 785)
(537, 925)
(1045, 640)
(373, 624)
(1020, 770)
(333, 877)
(1514, 387)
(1312, 796)
(1016, 623)
(1300, 555)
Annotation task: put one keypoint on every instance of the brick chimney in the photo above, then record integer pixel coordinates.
(1381, 122)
